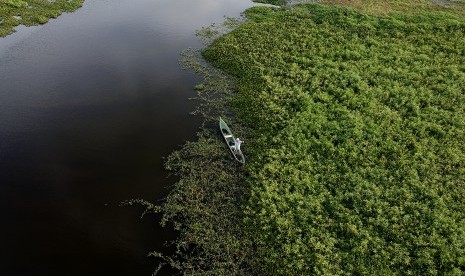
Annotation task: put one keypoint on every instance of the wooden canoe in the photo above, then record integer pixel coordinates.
(231, 142)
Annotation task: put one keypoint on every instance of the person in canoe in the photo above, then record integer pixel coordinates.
(236, 147)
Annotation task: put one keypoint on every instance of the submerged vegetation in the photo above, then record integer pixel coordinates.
(354, 126)
(32, 12)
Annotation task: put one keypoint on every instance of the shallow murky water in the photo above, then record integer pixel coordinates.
(90, 103)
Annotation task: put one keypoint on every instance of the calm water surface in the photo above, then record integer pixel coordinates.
(90, 103)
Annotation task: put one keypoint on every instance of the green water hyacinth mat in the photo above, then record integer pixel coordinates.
(33, 12)
(357, 166)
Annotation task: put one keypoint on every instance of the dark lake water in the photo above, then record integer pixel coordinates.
(90, 103)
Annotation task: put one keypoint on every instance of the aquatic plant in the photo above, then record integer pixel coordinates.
(29, 13)
(354, 126)
(205, 204)
(357, 162)
(271, 2)
(377, 7)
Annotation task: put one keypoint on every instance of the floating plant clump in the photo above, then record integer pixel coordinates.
(29, 13)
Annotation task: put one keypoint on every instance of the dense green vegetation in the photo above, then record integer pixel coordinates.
(272, 2)
(353, 125)
(31, 12)
(405, 6)
(357, 162)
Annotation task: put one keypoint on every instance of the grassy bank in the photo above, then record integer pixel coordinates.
(31, 12)
(354, 130)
